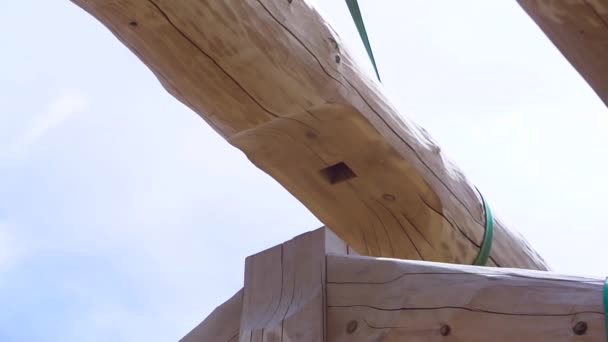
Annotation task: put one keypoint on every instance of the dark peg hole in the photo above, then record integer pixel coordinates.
(337, 173)
(337, 59)
(445, 330)
(133, 23)
(351, 327)
(289, 1)
(580, 328)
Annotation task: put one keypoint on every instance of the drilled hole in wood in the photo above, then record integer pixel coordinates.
(351, 327)
(445, 330)
(580, 328)
(337, 173)
(133, 23)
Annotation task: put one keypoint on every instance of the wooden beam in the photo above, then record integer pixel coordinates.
(284, 296)
(312, 289)
(221, 325)
(396, 300)
(579, 29)
(275, 80)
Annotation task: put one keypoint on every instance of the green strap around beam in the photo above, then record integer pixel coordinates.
(606, 307)
(486, 244)
(353, 7)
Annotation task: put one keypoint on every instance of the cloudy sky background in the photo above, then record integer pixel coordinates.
(124, 217)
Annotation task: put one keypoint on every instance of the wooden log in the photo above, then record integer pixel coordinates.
(276, 81)
(222, 324)
(396, 300)
(579, 29)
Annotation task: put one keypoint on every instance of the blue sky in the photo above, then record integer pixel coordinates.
(124, 217)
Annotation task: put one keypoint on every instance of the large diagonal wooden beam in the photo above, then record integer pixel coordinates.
(276, 81)
(579, 29)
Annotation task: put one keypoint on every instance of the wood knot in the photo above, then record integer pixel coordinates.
(445, 330)
(133, 23)
(580, 328)
(311, 135)
(351, 327)
(388, 197)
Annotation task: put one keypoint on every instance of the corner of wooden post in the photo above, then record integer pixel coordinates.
(284, 296)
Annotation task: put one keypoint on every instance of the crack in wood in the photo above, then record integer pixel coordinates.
(416, 228)
(352, 86)
(299, 41)
(578, 281)
(403, 229)
(491, 312)
(211, 59)
(390, 243)
(416, 153)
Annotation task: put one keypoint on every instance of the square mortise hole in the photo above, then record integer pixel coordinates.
(337, 173)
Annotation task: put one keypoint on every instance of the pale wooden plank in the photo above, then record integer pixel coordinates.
(370, 299)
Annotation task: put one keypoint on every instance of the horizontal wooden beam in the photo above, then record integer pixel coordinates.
(398, 300)
(311, 289)
(579, 29)
(275, 80)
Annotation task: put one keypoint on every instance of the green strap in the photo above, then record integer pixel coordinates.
(486, 244)
(353, 7)
(606, 306)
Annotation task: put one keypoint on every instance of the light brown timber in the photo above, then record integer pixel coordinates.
(401, 300)
(276, 81)
(311, 289)
(284, 298)
(579, 29)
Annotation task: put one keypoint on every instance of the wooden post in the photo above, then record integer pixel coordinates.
(284, 298)
(275, 80)
(311, 289)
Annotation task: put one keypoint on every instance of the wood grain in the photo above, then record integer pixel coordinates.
(395, 300)
(311, 289)
(579, 29)
(275, 80)
(284, 298)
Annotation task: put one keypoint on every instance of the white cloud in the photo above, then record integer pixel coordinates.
(57, 112)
